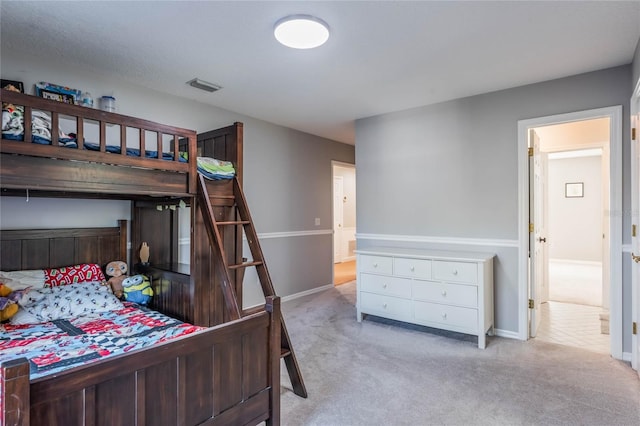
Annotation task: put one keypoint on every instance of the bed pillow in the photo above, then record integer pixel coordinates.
(63, 302)
(86, 272)
(19, 280)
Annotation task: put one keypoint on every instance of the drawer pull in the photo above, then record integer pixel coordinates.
(384, 305)
(413, 269)
(444, 316)
(384, 285)
(455, 272)
(444, 293)
(375, 265)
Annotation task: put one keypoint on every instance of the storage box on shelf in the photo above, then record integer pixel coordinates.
(441, 289)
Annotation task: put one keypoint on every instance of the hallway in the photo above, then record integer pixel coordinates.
(571, 317)
(344, 272)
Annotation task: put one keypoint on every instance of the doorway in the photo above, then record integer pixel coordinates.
(532, 292)
(574, 288)
(344, 222)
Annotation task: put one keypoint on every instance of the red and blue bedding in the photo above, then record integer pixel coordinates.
(65, 343)
(63, 323)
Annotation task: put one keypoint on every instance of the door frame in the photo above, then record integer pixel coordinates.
(635, 240)
(334, 164)
(337, 231)
(614, 113)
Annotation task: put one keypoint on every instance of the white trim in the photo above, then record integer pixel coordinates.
(577, 262)
(627, 248)
(634, 103)
(268, 235)
(306, 292)
(295, 296)
(506, 333)
(439, 240)
(615, 223)
(626, 356)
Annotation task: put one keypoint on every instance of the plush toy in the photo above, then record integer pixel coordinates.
(137, 289)
(9, 301)
(12, 116)
(116, 271)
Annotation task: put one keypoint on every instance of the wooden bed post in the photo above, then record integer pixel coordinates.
(122, 223)
(14, 392)
(272, 305)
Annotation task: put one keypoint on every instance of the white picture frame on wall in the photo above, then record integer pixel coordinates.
(574, 190)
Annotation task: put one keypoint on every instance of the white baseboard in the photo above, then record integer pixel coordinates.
(307, 292)
(626, 356)
(506, 333)
(577, 262)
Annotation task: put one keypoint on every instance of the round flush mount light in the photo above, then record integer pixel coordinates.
(301, 31)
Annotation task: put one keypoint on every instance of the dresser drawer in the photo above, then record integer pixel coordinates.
(462, 272)
(446, 293)
(385, 285)
(412, 268)
(385, 306)
(375, 264)
(446, 315)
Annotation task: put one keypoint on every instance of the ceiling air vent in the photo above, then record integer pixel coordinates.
(203, 85)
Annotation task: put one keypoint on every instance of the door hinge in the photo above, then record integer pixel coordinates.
(530, 152)
(633, 230)
(531, 305)
(531, 227)
(633, 134)
(634, 328)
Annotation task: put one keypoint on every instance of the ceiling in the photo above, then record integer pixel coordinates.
(382, 56)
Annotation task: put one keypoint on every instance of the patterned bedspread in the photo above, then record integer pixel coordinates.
(66, 343)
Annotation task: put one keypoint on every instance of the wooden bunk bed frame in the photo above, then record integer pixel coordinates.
(229, 374)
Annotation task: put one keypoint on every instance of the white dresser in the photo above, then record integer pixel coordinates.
(441, 289)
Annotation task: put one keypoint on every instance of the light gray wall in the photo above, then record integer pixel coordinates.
(574, 230)
(635, 66)
(287, 177)
(450, 170)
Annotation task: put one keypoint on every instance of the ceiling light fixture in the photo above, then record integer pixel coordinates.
(203, 85)
(301, 31)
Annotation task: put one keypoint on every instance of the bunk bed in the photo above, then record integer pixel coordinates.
(227, 372)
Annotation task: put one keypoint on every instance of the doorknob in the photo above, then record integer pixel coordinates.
(635, 258)
(542, 240)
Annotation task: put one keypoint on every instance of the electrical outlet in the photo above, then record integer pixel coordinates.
(317, 221)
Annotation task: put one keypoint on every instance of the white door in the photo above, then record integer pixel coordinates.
(338, 217)
(635, 220)
(538, 263)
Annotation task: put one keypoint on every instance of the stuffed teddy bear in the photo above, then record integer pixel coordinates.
(9, 301)
(116, 271)
(137, 289)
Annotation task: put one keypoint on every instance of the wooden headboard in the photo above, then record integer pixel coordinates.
(51, 248)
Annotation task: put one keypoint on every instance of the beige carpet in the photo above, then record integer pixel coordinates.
(344, 272)
(382, 373)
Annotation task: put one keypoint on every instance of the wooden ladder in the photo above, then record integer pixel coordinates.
(240, 217)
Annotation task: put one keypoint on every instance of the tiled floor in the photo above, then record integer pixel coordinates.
(569, 323)
(573, 325)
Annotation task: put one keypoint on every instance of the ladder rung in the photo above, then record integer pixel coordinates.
(244, 265)
(284, 352)
(226, 197)
(234, 222)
